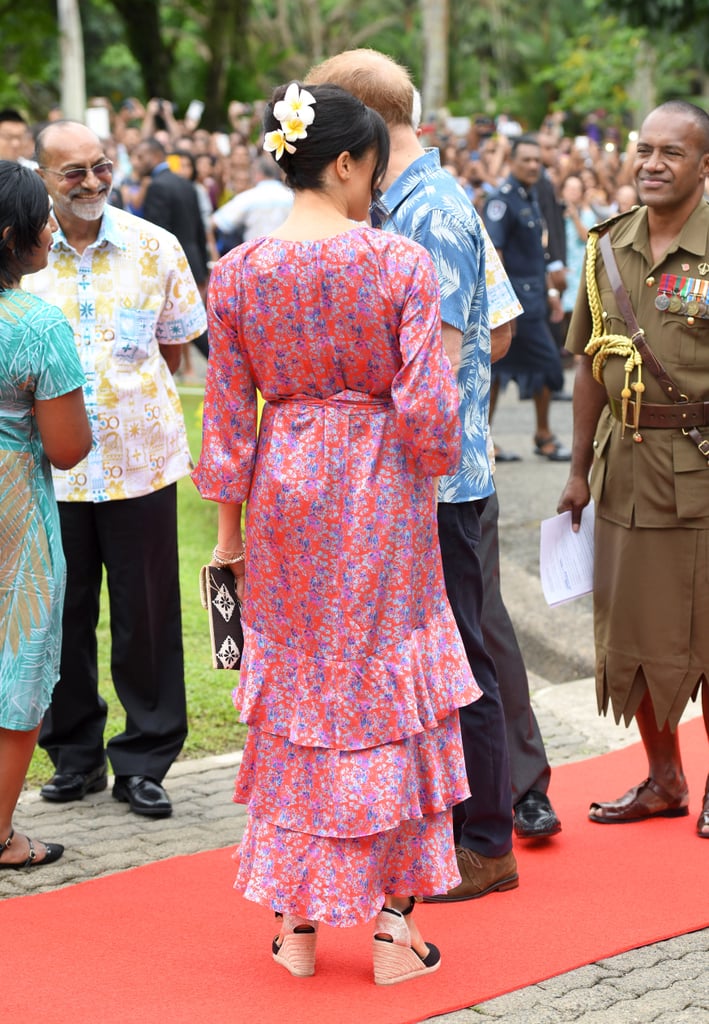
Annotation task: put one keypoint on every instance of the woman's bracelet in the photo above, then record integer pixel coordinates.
(223, 558)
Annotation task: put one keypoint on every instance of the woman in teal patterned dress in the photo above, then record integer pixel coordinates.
(42, 421)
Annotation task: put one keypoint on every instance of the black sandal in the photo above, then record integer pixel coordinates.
(551, 448)
(54, 852)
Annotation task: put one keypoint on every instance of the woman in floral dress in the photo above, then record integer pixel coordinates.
(42, 420)
(353, 669)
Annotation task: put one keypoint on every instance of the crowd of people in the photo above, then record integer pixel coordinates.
(224, 164)
(380, 280)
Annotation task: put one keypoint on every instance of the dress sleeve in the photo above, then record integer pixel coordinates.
(424, 392)
(58, 370)
(226, 463)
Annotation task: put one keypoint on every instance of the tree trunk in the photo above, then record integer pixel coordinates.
(435, 15)
(146, 43)
(642, 92)
(227, 21)
(71, 48)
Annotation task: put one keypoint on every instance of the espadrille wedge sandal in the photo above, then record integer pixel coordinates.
(296, 951)
(394, 958)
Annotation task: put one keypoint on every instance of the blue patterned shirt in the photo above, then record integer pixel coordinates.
(426, 203)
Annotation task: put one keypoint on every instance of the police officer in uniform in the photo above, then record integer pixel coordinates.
(643, 431)
(515, 225)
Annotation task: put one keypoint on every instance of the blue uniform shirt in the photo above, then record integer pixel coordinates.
(425, 203)
(514, 223)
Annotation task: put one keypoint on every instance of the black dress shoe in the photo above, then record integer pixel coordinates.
(145, 796)
(535, 817)
(65, 786)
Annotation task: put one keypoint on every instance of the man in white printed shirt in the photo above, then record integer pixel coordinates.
(126, 287)
(258, 210)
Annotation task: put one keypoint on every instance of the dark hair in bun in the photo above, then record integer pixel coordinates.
(341, 123)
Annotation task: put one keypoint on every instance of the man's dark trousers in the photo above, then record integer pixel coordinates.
(136, 540)
(483, 822)
(529, 767)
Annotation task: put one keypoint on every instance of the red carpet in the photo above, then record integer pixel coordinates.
(171, 942)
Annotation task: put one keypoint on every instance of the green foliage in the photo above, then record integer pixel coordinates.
(29, 56)
(666, 16)
(586, 77)
(288, 38)
(521, 59)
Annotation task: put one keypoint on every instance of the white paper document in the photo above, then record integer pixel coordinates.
(566, 558)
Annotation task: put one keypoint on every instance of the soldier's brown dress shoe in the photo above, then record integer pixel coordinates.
(479, 876)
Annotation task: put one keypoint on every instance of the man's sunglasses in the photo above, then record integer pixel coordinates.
(77, 174)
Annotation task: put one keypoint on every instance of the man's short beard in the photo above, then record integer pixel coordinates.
(89, 211)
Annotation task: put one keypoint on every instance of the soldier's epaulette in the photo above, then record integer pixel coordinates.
(605, 224)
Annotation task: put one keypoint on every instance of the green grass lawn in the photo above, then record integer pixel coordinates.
(214, 727)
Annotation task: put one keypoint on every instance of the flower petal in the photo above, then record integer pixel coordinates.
(274, 142)
(294, 129)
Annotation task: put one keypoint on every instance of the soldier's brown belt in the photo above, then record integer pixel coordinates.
(678, 416)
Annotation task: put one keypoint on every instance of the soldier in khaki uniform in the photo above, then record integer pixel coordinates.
(649, 479)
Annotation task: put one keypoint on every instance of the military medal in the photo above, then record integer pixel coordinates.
(702, 289)
(662, 299)
(688, 296)
(677, 288)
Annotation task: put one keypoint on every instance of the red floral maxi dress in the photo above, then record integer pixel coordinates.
(353, 668)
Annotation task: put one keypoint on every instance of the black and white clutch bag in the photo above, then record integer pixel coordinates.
(217, 589)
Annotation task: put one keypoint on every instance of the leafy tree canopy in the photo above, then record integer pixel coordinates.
(521, 59)
(663, 15)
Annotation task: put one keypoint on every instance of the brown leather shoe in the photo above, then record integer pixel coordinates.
(479, 876)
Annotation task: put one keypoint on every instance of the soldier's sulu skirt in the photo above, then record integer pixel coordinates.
(651, 609)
